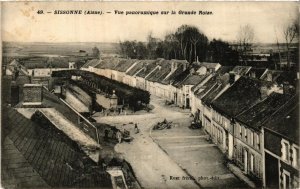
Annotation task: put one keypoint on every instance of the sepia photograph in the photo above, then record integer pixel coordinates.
(153, 95)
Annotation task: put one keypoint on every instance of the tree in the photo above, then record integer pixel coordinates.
(96, 52)
(195, 37)
(152, 44)
(171, 46)
(245, 38)
(128, 49)
(141, 50)
(221, 52)
(191, 39)
(290, 32)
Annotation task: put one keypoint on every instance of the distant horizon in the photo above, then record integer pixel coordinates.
(281, 43)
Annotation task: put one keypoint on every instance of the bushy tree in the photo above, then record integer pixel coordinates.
(221, 52)
(96, 52)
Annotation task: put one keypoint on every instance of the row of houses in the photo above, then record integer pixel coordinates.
(243, 109)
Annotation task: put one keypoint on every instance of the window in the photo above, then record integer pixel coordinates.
(240, 130)
(257, 141)
(225, 124)
(296, 182)
(286, 179)
(251, 138)
(245, 133)
(252, 163)
(285, 151)
(295, 156)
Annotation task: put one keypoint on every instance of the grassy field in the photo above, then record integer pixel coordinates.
(44, 51)
(56, 49)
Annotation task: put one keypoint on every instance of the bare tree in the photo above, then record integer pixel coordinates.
(290, 32)
(245, 38)
(180, 35)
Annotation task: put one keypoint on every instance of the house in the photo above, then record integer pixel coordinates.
(88, 66)
(205, 94)
(279, 77)
(37, 97)
(248, 151)
(78, 99)
(141, 76)
(256, 72)
(130, 76)
(198, 73)
(159, 79)
(124, 66)
(256, 59)
(281, 146)
(36, 154)
(207, 67)
(186, 86)
(176, 87)
(241, 70)
(177, 67)
(242, 95)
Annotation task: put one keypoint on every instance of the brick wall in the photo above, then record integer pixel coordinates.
(32, 93)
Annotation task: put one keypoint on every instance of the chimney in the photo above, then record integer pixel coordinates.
(231, 78)
(263, 92)
(253, 74)
(287, 89)
(192, 71)
(269, 76)
(185, 66)
(174, 66)
(32, 94)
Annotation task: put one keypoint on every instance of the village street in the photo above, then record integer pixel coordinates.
(170, 158)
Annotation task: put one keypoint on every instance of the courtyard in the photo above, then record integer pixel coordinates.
(171, 158)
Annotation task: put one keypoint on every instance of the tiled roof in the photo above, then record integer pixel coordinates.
(241, 70)
(180, 78)
(43, 62)
(258, 72)
(285, 121)
(199, 91)
(161, 73)
(38, 155)
(220, 83)
(147, 68)
(52, 101)
(243, 94)
(124, 64)
(91, 63)
(80, 94)
(209, 65)
(137, 67)
(258, 114)
(172, 77)
(193, 79)
(110, 63)
(14, 63)
(281, 76)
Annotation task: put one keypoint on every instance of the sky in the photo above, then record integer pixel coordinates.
(21, 23)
